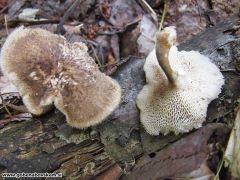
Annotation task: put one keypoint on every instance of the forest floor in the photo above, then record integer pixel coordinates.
(119, 35)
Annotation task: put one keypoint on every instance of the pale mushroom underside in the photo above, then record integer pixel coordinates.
(180, 109)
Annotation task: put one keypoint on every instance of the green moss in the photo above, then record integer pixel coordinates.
(72, 135)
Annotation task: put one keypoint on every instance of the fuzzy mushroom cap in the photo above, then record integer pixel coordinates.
(177, 104)
(49, 71)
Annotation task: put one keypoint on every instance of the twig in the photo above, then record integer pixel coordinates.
(229, 70)
(90, 42)
(3, 9)
(8, 5)
(60, 28)
(7, 93)
(101, 51)
(21, 109)
(120, 30)
(13, 21)
(5, 107)
(6, 24)
(148, 8)
(237, 39)
(121, 62)
(48, 21)
(15, 118)
(165, 10)
(219, 169)
(97, 59)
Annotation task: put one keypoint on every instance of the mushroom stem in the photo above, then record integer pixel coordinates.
(164, 41)
(179, 87)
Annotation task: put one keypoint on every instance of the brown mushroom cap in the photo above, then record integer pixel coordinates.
(49, 71)
(180, 85)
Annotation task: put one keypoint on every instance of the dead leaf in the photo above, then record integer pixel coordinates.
(110, 59)
(92, 31)
(108, 51)
(140, 39)
(223, 9)
(29, 14)
(202, 173)
(3, 3)
(146, 40)
(128, 41)
(105, 9)
(123, 12)
(182, 157)
(187, 16)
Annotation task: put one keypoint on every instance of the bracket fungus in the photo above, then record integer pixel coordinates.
(47, 71)
(179, 87)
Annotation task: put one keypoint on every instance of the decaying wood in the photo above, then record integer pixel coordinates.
(45, 145)
(182, 157)
(48, 144)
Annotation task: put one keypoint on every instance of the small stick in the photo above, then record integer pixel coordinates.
(122, 29)
(29, 23)
(149, 9)
(5, 107)
(96, 57)
(165, 10)
(9, 93)
(233, 40)
(6, 24)
(228, 70)
(122, 61)
(8, 5)
(21, 109)
(219, 168)
(3, 9)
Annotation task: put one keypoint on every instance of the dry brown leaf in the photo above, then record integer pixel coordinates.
(92, 31)
(122, 12)
(110, 59)
(202, 173)
(105, 9)
(187, 16)
(3, 3)
(223, 9)
(186, 157)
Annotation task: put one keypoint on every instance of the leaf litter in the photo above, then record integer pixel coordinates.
(115, 30)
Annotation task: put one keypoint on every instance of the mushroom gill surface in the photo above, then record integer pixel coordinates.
(49, 71)
(179, 87)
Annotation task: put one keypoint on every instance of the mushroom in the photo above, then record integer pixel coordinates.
(179, 87)
(49, 71)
